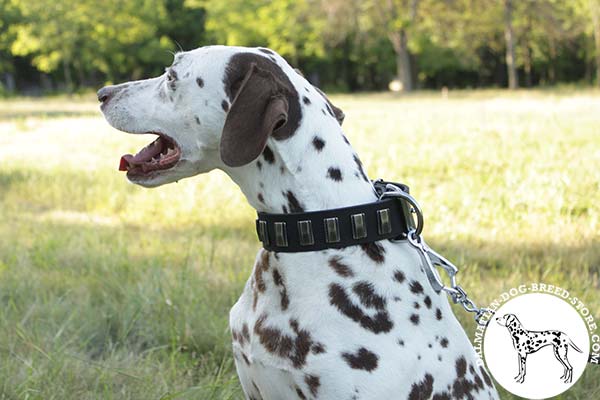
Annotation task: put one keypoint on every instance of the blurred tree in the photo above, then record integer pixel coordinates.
(183, 24)
(290, 27)
(341, 44)
(120, 38)
(8, 16)
(511, 66)
(398, 18)
(594, 9)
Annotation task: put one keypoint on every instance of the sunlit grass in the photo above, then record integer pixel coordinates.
(111, 291)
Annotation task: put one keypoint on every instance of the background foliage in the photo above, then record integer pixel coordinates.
(48, 45)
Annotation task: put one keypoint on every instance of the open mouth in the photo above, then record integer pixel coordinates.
(163, 153)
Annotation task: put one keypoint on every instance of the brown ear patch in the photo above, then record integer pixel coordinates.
(236, 70)
(260, 107)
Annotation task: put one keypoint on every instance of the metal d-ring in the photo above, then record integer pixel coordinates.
(394, 191)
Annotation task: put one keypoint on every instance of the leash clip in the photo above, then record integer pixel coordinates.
(431, 258)
(454, 291)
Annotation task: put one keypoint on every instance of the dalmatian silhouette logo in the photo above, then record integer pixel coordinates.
(528, 342)
(536, 345)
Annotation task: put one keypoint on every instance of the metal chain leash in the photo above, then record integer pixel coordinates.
(431, 258)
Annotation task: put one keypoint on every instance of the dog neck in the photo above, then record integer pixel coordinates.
(315, 169)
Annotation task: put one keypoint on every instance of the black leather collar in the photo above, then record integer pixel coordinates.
(387, 218)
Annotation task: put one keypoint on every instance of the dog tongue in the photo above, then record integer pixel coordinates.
(124, 163)
(143, 156)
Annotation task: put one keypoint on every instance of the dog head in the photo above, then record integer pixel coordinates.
(508, 320)
(214, 107)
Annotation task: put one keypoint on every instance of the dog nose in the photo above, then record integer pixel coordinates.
(105, 94)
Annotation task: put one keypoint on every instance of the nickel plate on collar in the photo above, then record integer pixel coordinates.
(359, 226)
(384, 224)
(305, 233)
(263, 234)
(280, 234)
(332, 230)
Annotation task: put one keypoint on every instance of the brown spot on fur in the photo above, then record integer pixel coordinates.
(427, 301)
(422, 390)
(266, 51)
(285, 346)
(225, 105)
(245, 332)
(375, 251)
(256, 388)
(461, 367)
(334, 174)
(486, 377)
(318, 348)
(438, 314)
(318, 143)
(197, 120)
(399, 276)
(245, 359)
(259, 283)
(293, 202)
(285, 300)
(359, 165)
(462, 387)
(416, 287)
(414, 318)
(444, 342)
(277, 277)
(300, 394)
(235, 335)
(340, 268)
(380, 322)
(367, 296)
(362, 359)
(261, 198)
(261, 266)
(268, 155)
(305, 100)
(200, 82)
(313, 383)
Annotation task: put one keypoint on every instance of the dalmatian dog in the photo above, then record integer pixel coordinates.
(361, 322)
(527, 342)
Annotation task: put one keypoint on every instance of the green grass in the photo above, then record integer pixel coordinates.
(111, 291)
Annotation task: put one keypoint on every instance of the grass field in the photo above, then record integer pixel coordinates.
(111, 291)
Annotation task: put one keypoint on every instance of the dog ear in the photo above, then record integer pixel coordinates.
(259, 108)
